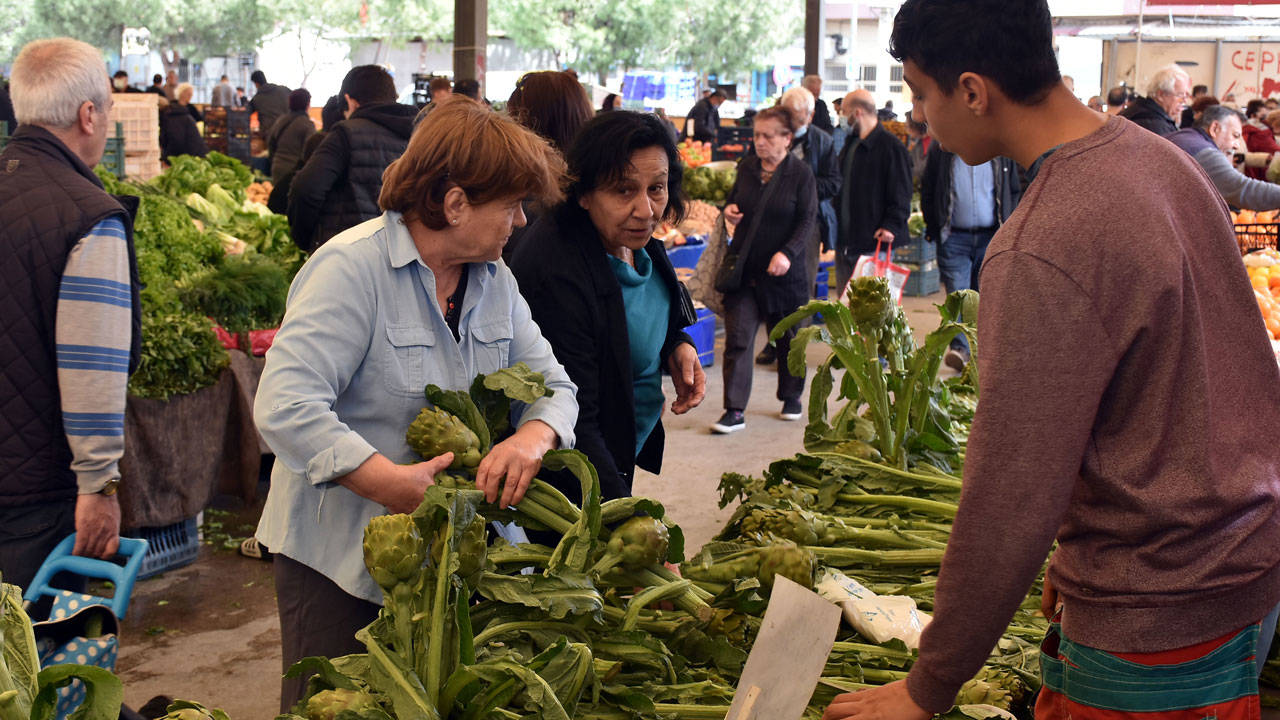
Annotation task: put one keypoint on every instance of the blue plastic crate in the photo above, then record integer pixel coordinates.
(922, 282)
(822, 285)
(685, 256)
(169, 547)
(917, 250)
(703, 333)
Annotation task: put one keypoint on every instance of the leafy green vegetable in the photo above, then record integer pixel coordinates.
(180, 352)
(240, 292)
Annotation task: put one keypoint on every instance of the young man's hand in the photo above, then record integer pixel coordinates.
(890, 702)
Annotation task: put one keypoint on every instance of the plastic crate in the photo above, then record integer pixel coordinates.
(142, 167)
(685, 256)
(703, 333)
(1256, 236)
(139, 117)
(822, 284)
(113, 155)
(922, 282)
(916, 250)
(169, 547)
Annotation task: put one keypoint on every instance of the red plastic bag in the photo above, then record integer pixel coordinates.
(876, 266)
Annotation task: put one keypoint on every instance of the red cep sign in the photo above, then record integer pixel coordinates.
(1252, 69)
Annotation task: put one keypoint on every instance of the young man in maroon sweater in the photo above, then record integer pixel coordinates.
(1125, 374)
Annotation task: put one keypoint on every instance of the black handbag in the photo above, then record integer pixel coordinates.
(729, 276)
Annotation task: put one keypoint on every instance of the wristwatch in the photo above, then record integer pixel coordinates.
(110, 488)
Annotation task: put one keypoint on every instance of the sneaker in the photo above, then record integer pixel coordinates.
(251, 548)
(767, 356)
(791, 410)
(731, 421)
(955, 360)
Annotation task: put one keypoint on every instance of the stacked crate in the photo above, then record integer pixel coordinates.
(138, 115)
(226, 130)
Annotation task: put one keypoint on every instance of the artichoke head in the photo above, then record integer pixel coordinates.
(394, 551)
(326, 704)
(871, 303)
(187, 714)
(858, 449)
(788, 560)
(640, 542)
(472, 551)
(435, 432)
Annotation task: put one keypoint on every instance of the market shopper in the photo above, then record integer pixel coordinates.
(703, 121)
(1212, 143)
(1124, 368)
(875, 194)
(269, 101)
(603, 292)
(1167, 95)
(814, 146)
(120, 83)
(774, 206)
(71, 313)
(414, 296)
(339, 186)
(1117, 100)
(6, 110)
(554, 105)
(439, 89)
(157, 85)
(223, 95)
(179, 134)
(1188, 118)
(1262, 140)
(963, 207)
(821, 115)
(289, 135)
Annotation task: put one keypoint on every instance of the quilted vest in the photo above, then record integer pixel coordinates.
(49, 199)
(373, 147)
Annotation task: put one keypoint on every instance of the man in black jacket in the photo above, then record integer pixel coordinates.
(1167, 94)
(821, 116)
(270, 101)
(963, 206)
(703, 121)
(338, 187)
(875, 198)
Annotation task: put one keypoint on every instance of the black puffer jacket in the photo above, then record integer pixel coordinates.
(339, 185)
(1148, 114)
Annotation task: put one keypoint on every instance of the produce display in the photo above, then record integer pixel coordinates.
(712, 186)
(694, 152)
(1255, 229)
(1264, 275)
(205, 250)
(700, 218)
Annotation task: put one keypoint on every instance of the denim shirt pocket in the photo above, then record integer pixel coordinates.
(405, 358)
(492, 345)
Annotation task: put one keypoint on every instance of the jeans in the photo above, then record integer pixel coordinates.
(959, 262)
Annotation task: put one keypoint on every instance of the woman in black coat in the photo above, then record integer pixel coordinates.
(606, 297)
(774, 205)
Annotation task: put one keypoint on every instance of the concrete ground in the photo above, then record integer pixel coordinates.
(209, 632)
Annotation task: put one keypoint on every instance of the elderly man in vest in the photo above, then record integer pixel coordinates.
(71, 313)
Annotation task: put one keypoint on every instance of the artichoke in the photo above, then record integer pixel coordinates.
(640, 542)
(472, 550)
(871, 303)
(394, 551)
(788, 560)
(326, 704)
(435, 432)
(859, 449)
(992, 687)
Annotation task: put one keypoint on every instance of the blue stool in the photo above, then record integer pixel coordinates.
(123, 576)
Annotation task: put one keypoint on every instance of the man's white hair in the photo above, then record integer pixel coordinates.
(798, 100)
(811, 81)
(1165, 79)
(53, 77)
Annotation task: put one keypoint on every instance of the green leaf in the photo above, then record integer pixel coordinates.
(559, 596)
(392, 676)
(576, 547)
(459, 404)
(796, 358)
(103, 692)
(19, 663)
(519, 383)
(324, 676)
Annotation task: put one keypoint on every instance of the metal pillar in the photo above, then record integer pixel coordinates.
(470, 40)
(815, 23)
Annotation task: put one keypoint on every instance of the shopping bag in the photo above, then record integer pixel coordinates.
(81, 630)
(880, 264)
(702, 284)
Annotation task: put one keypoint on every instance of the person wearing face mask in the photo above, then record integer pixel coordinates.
(120, 83)
(875, 199)
(1211, 143)
(774, 208)
(604, 294)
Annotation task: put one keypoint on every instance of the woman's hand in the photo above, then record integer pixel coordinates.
(732, 214)
(398, 488)
(518, 459)
(889, 702)
(779, 264)
(688, 377)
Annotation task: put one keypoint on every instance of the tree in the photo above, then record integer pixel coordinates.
(733, 36)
